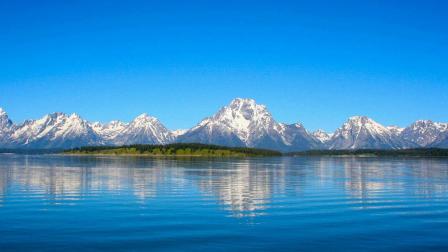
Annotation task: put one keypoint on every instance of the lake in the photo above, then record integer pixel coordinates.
(57, 203)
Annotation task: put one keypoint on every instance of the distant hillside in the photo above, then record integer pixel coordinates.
(177, 149)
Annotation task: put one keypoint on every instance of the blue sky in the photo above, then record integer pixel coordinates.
(317, 63)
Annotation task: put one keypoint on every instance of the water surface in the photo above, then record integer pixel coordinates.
(56, 203)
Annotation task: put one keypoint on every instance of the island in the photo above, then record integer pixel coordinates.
(175, 149)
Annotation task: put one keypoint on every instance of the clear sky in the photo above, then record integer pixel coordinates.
(315, 62)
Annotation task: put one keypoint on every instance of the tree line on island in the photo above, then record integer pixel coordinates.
(207, 150)
(176, 149)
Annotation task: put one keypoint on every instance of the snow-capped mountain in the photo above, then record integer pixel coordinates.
(361, 132)
(110, 131)
(59, 130)
(56, 130)
(144, 129)
(322, 136)
(297, 138)
(245, 123)
(5, 122)
(442, 142)
(425, 132)
(179, 132)
(242, 123)
(395, 130)
(6, 127)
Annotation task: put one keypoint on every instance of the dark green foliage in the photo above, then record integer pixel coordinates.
(181, 149)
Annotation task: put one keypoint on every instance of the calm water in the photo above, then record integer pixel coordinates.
(54, 203)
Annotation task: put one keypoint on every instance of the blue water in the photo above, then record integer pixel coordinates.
(55, 203)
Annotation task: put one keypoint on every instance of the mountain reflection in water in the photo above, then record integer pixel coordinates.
(243, 187)
(68, 203)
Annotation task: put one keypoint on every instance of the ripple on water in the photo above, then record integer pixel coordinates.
(54, 203)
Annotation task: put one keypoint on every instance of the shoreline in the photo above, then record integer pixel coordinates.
(155, 156)
(242, 156)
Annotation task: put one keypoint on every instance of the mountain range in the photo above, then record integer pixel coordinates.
(242, 123)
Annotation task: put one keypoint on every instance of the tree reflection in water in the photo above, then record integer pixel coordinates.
(244, 187)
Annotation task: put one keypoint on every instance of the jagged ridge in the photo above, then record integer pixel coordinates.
(242, 123)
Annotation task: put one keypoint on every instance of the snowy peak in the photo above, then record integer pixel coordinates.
(56, 130)
(2, 112)
(321, 135)
(97, 126)
(115, 126)
(6, 128)
(356, 124)
(361, 121)
(361, 132)
(5, 122)
(428, 124)
(243, 111)
(425, 132)
(245, 123)
(243, 120)
(109, 131)
(59, 130)
(144, 120)
(242, 114)
(179, 132)
(144, 117)
(297, 138)
(395, 130)
(144, 129)
(238, 102)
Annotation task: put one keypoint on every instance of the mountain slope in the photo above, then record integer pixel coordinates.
(6, 127)
(245, 123)
(242, 123)
(425, 132)
(442, 143)
(297, 138)
(110, 131)
(395, 130)
(56, 130)
(361, 132)
(61, 131)
(179, 132)
(144, 129)
(321, 135)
